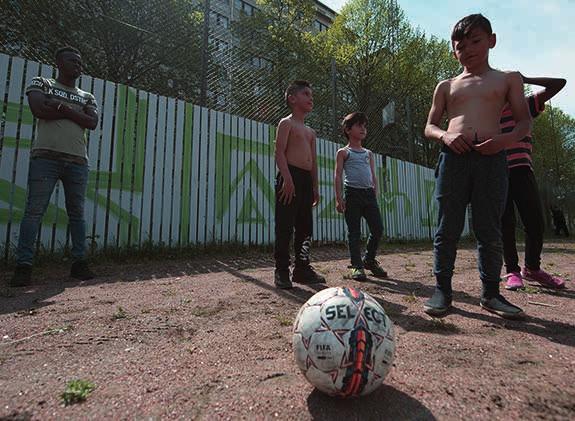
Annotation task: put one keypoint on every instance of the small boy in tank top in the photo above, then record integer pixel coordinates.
(356, 165)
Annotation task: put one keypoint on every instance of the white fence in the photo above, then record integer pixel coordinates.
(169, 172)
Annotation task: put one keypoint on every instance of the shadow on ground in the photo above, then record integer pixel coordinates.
(386, 403)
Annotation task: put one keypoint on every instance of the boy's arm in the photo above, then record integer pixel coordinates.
(552, 86)
(314, 170)
(455, 141)
(287, 191)
(521, 115)
(373, 177)
(339, 202)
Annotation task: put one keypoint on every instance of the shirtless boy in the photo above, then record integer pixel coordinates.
(296, 188)
(472, 166)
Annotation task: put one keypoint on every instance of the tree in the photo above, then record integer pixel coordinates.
(273, 47)
(154, 45)
(381, 59)
(554, 158)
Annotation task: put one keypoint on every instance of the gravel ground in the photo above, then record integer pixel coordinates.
(210, 338)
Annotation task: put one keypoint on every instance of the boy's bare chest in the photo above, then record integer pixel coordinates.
(478, 90)
(300, 137)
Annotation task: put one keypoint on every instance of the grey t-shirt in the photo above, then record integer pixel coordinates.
(64, 136)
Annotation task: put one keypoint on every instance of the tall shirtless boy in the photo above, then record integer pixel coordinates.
(472, 166)
(296, 188)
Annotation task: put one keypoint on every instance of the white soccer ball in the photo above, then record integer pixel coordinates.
(343, 342)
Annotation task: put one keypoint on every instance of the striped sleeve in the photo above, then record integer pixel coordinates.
(38, 84)
(536, 107)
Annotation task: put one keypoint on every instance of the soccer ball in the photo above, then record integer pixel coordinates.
(343, 342)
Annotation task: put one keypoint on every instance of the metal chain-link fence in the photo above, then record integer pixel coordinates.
(226, 55)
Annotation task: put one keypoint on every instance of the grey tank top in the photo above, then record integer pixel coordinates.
(357, 169)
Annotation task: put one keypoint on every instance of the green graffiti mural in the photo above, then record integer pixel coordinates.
(226, 147)
(391, 198)
(250, 187)
(120, 178)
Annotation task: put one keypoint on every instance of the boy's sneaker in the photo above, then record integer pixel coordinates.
(281, 279)
(358, 274)
(439, 303)
(81, 271)
(22, 276)
(543, 278)
(306, 275)
(375, 268)
(514, 281)
(500, 306)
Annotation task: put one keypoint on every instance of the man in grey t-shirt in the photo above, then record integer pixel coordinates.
(58, 152)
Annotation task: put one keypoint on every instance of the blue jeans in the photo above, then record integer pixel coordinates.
(362, 203)
(483, 182)
(42, 178)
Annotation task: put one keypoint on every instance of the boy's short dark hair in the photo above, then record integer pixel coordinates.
(294, 87)
(465, 25)
(66, 49)
(351, 119)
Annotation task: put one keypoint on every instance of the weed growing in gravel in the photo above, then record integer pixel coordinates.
(120, 314)
(284, 321)
(77, 391)
(57, 330)
(207, 311)
(409, 265)
(530, 290)
(411, 299)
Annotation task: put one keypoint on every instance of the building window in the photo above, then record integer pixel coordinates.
(261, 63)
(244, 7)
(319, 27)
(219, 20)
(219, 45)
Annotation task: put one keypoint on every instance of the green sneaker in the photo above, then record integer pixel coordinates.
(358, 274)
(375, 268)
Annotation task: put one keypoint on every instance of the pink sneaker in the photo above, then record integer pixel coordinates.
(514, 281)
(543, 278)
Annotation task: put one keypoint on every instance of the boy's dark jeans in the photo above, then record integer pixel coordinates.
(296, 215)
(362, 203)
(482, 181)
(524, 194)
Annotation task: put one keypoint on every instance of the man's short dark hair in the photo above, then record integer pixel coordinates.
(66, 49)
(294, 87)
(350, 120)
(465, 25)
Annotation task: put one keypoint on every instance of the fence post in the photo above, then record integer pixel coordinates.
(334, 98)
(409, 129)
(205, 55)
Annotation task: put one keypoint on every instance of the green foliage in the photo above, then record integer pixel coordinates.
(77, 391)
(154, 45)
(554, 158)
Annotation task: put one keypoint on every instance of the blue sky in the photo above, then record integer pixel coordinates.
(532, 37)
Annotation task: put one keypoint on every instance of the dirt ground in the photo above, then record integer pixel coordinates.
(211, 339)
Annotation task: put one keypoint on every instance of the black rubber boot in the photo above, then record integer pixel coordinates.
(307, 275)
(281, 279)
(499, 305)
(22, 276)
(439, 303)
